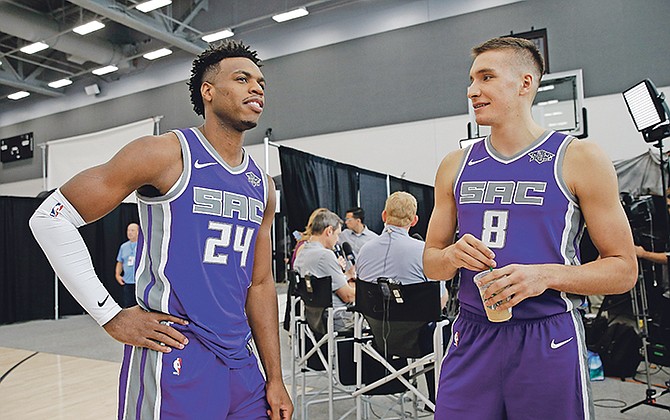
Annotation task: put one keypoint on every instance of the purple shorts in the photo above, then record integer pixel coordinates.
(525, 369)
(188, 384)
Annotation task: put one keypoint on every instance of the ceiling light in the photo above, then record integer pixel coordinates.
(545, 88)
(18, 95)
(60, 83)
(157, 54)
(550, 102)
(293, 14)
(226, 33)
(89, 27)
(104, 70)
(33, 48)
(150, 5)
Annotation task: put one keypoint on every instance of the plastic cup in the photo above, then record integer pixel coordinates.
(492, 313)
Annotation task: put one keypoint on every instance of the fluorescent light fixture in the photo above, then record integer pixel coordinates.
(104, 70)
(60, 83)
(553, 114)
(558, 124)
(645, 105)
(89, 27)
(545, 103)
(18, 95)
(150, 5)
(545, 88)
(33, 48)
(293, 14)
(226, 33)
(157, 54)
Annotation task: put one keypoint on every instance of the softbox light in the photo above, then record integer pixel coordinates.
(647, 108)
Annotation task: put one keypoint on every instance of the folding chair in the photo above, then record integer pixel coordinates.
(312, 328)
(396, 315)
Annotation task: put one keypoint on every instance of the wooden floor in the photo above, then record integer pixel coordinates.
(56, 387)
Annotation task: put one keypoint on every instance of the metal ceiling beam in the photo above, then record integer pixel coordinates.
(139, 22)
(34, 27)
(8, 80)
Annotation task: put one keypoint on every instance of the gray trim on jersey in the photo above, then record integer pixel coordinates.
(178, 188)
(149, 384)
(558, 170)
(212, 151)
(502, 159)
(461, 167)
(587, 397)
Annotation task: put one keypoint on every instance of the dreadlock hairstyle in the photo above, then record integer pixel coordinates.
(207, 62)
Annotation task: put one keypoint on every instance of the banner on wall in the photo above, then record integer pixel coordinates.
(69, 156)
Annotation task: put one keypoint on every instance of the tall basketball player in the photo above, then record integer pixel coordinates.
(520, 199)
(203, 270)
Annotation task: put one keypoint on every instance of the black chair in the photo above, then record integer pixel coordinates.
(398, 315)
(315, 342)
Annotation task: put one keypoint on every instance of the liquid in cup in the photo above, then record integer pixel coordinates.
(491, 313)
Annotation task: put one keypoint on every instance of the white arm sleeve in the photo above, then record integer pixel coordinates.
(54, 225)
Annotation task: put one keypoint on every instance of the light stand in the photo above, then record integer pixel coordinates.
(650, 114)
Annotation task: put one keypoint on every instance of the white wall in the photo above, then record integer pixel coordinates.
(415, 149)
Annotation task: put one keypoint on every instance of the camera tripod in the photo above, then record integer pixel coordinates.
(641, 311)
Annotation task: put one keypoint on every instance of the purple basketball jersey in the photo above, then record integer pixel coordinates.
(197, 246)
(520, 207)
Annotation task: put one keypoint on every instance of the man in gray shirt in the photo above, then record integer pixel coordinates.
(394, 254)
(356, 233)
(318, 259)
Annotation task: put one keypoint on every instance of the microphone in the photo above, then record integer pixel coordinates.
(337, 249)
(416, 235)
(348, 252)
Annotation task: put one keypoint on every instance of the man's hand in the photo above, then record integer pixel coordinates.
(137, 327)
(119, 280)
(280, 403)
(471, 253)
(518, 282)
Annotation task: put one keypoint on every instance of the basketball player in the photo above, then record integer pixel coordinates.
(204, 280)
(520, 199)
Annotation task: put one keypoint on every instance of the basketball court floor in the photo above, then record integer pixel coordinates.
(68, 369)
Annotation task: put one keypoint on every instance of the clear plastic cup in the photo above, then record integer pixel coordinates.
(492, 312)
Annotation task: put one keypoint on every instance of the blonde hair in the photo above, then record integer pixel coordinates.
(526, 51)
(307, 233)
(400, 209)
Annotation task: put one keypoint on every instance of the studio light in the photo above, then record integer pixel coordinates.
(104, 70)
(649, 111)
(60, 83)
(226, 33)
(150, 5)
(293, 14)
(18, 95)
(157, 54)
(89, 27)
(33, 48)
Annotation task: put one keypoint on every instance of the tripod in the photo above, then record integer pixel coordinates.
(641, 312)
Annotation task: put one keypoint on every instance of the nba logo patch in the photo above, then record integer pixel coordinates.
(456, 339)
(176, 365)
(55, 210)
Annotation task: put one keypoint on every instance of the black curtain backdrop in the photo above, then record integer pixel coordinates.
(425, 197)
(373, 198)
(310, 182)
(26, 278)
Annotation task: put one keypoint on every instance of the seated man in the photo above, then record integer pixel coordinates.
(318, 260)
(398, 256)
(356, 233)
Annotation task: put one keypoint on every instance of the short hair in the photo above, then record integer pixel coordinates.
(324, 219)
(307, 233)
(357, 212)
(525, 49)
(207, 62)
(400, 209)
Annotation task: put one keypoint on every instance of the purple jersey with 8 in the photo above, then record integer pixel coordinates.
(197, 247)
(521, 208)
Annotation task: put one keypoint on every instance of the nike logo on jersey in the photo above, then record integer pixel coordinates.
(555, 345)
(474, 162)
(199, 165)
(101, 304)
